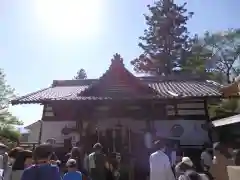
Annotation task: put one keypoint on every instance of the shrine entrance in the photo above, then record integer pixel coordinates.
(125, 136)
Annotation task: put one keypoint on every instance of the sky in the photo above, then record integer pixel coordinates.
(46, 40)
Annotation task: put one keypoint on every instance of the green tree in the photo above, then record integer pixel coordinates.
(226, 51)
(165, 39)
(199, 60)
(6, 118)
(217, 56)
(196, 60)
(81, 74)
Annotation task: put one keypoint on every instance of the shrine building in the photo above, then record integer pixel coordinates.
(121, 110)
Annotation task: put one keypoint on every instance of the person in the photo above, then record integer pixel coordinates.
(97, 163)
(23, 159)
(185, 164)
(54, 159)
(73, 173)
(42, 169)
(160, 166)
(12, 155)
(75, 154)
(174, 154)
(3, 160)
(236, 157)
(186, 171)
(220, 162)
(206, 158)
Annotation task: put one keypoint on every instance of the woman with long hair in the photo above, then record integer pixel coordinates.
(23, 159)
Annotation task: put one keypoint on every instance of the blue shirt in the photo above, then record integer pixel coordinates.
(75, 175)
(42, 172)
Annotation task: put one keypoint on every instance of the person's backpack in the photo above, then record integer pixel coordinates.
(192, 175)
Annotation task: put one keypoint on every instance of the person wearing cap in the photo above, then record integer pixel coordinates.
(160, 166)
(185, 171)
(73, 173)
(183, 166)
(97, 163)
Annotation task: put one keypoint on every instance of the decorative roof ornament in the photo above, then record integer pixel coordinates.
(117, 61)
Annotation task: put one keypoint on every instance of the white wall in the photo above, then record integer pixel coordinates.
(193, 133)
(52, 129)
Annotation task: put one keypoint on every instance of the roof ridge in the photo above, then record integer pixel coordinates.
(73, 82)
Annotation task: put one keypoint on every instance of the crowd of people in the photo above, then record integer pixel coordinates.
(214, 161)
(43, 164)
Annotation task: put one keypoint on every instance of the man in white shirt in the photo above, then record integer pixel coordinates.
(160, 166)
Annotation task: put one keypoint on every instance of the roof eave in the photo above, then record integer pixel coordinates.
(41, 101)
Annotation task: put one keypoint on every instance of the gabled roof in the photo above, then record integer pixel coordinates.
(119, 83)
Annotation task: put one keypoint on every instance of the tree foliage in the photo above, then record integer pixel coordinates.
(6, 118)
(221, 64)
(225, 47)
(165, 40)
(215, 54)
(81, 74)
(197, 59)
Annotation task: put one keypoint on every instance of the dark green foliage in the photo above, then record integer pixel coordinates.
(81, 74)
(224, 107)
(165, 40)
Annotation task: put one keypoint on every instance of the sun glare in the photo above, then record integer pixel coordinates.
(70, 18)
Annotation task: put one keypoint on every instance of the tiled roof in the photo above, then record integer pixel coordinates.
(71, 90)
(118, 83)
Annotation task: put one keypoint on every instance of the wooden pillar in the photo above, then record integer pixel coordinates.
(207, 120)
(40, 132)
